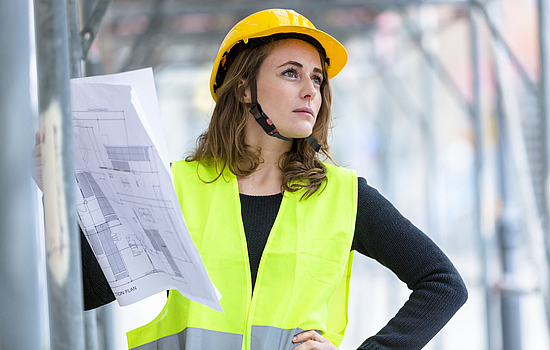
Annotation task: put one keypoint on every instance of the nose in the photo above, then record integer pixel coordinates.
(309, 91)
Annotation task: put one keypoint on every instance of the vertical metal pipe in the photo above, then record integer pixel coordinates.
(90, 326)
(75, 57)
(62, 237)
(107, 327)
(544, 105)
(93, 60)
(20, 326)
(432, 209)
(508, 229)
(519, 207)
(75, 46)
(428, 132)
(481, 241)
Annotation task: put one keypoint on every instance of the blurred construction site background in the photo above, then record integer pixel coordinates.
(443, 107)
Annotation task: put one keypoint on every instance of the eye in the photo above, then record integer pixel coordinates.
(317, 79)
(290, 72)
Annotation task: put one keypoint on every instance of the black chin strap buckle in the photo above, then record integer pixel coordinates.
(265, 122)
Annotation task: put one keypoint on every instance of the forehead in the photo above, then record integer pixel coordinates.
(294, 50)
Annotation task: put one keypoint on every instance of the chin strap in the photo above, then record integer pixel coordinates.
(313, 143)
(267, 124)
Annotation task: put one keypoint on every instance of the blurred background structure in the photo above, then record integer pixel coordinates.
(444, 107)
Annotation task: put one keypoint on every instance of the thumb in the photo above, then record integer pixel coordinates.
(37, 136)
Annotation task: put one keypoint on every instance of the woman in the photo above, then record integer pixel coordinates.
(275, 226)
(301, 216)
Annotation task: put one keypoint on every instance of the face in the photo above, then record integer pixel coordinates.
(289, 87)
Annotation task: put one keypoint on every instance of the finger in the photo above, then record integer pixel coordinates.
(36, 158)
(308, 335)
(37, 176)
(37, 136)
(37, 164)
(309, 345)
(36, 151)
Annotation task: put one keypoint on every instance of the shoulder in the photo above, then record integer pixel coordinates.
(183, 169)
(337, 171)
(362, 184)
(341, 184)
(369, 196)
(341, 178)
(205, 170)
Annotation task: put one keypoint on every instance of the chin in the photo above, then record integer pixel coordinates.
(298, 135)
(298, 132)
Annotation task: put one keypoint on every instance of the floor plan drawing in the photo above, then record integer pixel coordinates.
(126, 204)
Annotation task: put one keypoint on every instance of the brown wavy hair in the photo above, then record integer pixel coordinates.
(223, 143)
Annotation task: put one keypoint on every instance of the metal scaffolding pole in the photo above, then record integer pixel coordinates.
(178, 8)
(497, 36)
(430, 143)
(415, 33)
(93, 16)
(476, 118)
(515, 185)
(544, 98)
(106, 327)
(75, 47)
(99, 324)
(517, 154)
(75, 57)
(62, 237)
(433, 209)
(91, 329)
(20, 318)
(509, 236)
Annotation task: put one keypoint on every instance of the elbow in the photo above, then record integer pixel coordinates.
(464, 293)
(459, 290)
(452, 288)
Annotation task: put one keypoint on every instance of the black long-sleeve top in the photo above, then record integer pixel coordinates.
(381, 233)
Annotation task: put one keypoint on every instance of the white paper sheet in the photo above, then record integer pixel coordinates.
(143, 85)
(126, 203)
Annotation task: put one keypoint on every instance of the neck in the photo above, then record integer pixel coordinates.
(271, 147)
(267, 179)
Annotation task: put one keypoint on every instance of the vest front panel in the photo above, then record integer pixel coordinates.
(306, 261)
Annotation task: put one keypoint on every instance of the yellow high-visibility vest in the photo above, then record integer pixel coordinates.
(303, 277)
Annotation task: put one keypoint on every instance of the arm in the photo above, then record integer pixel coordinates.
(97, 291)
(438, 291)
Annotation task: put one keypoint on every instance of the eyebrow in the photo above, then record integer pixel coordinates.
(299, 65)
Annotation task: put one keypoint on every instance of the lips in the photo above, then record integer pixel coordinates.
(304, 110)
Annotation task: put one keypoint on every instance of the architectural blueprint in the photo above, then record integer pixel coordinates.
(126, 204)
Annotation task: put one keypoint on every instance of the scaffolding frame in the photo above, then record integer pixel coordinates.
(76, 37)
(21, 326)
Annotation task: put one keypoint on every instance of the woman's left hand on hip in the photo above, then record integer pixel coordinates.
(312, 341)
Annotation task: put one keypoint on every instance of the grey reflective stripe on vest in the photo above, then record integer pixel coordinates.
(262, 338)
(196, 339)
(273, 338)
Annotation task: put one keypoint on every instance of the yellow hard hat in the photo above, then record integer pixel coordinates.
(270, 22)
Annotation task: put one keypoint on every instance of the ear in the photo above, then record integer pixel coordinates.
(246, 93)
